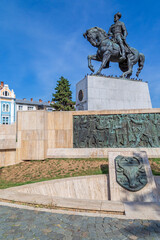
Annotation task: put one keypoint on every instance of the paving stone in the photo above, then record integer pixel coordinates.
(19, 224)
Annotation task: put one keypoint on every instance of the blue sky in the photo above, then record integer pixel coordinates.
(42, 40)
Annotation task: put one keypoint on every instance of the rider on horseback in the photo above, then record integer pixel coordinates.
(111, 51)
(118, 33)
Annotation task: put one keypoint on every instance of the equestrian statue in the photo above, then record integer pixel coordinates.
(112, 47)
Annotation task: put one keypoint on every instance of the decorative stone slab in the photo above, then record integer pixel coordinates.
(130, 173)
(117, 131)
(148, 193)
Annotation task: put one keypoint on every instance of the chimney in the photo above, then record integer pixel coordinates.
(24, 99)
(48, 101)
(31, 99)
(40, 100)
(2, 84)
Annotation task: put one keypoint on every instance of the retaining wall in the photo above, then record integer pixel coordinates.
(7, 145)
(44, 134)
(40, 134)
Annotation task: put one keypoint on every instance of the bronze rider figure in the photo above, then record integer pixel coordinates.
(118, 33)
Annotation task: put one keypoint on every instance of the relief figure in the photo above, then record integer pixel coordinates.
(119, 130)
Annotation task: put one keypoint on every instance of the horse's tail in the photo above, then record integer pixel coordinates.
(140, 63)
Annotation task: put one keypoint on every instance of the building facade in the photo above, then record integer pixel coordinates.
(7, 105)
(29, 105)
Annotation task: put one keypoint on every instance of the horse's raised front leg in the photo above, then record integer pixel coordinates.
(91, 57)
(106, 58)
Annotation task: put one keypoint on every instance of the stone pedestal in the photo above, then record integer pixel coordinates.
(104, 93)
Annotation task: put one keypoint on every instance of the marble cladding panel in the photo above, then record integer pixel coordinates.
(7, 157)
(7, 136)
(87, 187)
(114, 93)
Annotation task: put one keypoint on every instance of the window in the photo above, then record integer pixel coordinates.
(40, 107)
(5, 93)
(5, 120)
(20, 107)
(5, 107)
(49, 109)
(30, 108)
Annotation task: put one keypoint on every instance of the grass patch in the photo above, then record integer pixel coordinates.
(155, 166)
(156, 160)
(37, 171)
(155, 173)
(5, 184)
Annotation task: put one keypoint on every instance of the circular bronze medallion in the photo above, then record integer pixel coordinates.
(80, 95)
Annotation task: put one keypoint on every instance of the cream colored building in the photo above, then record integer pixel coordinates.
(29, 105)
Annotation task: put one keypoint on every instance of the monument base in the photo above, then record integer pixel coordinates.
(108, 93)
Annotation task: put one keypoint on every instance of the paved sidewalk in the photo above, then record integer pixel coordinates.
(18, 224)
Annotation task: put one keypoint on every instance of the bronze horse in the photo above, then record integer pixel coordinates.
(109, 51)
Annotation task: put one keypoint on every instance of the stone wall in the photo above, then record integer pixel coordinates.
(44, 134)
(40, 134)
(7, 145)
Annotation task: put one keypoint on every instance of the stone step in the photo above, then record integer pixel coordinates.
(65, 203)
